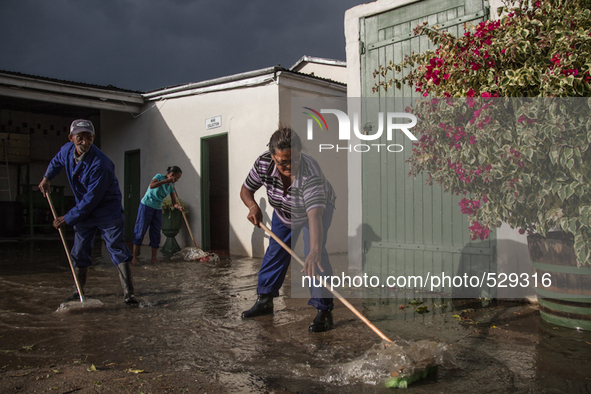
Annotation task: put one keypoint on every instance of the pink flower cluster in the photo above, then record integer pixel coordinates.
(474, 55)
(469, 207)
(461, 171)
(482, 36)
(456, 134)
(478, 231)
(433, 70)
(556, 59)
(516, 155)
(425, 144)
(470, 175)
(574, 72)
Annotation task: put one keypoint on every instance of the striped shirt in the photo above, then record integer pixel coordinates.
(309, 189)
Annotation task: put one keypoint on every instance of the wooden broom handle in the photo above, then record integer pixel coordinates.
(332, 290)
(63, 237)
(184, 216)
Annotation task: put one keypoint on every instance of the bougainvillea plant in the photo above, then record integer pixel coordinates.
(506, 119)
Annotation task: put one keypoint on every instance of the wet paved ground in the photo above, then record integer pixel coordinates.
(188, 335)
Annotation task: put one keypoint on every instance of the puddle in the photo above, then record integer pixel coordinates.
(188, 326)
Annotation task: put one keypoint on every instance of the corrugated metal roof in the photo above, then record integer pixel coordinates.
(225, 79)
(158, 93)
(317, 77)
(80, 84)
(319, 60)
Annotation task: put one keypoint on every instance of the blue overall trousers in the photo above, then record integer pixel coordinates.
(112, 231)
(276, 260)
(148, 217)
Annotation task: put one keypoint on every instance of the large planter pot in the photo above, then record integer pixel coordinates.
(172, 220)
(563, 289)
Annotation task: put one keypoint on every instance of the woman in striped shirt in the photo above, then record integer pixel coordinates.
(302, 199)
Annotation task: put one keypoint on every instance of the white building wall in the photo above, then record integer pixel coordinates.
(168, 133)
(334, 166)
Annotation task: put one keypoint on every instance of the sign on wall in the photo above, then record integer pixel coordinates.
(212, 123)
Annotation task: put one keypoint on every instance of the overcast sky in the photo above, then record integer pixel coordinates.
(150, 44)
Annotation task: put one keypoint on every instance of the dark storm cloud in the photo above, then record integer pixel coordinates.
(150, 44)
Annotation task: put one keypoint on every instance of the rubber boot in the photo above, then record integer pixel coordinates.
(322, 322)
(127, 284)
(81, 274)
(263, 306)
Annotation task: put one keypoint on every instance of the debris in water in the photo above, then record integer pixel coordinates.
(146, 304)
(195, 254)
(398, 364)
(136, 371)
(422, 309)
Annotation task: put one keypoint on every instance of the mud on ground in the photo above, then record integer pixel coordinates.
(188, 335)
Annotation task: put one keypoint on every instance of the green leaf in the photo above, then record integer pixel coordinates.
(562, 193)
(554, 156)
(536, 22)
(529, 153)
(526, 178)
(531, 199)
(570, 190)
(573, 225)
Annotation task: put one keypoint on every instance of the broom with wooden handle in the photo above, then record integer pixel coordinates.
(332, 290)
(395, 380)
(184, 216)
(63, 237)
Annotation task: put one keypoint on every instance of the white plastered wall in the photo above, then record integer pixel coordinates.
(334, 167)
(169, 132)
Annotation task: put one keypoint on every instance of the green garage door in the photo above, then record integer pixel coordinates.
(411, 228)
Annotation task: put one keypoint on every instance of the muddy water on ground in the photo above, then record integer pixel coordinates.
(190, 322)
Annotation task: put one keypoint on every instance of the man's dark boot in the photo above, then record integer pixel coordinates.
(263, 306)
(127, 284)
(322, 322)
(81, 274)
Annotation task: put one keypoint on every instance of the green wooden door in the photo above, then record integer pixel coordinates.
(131, 191)
(411, 228)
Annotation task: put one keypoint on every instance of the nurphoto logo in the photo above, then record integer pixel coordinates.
(345, 130)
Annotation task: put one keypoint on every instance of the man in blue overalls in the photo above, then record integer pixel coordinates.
(91, 175)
